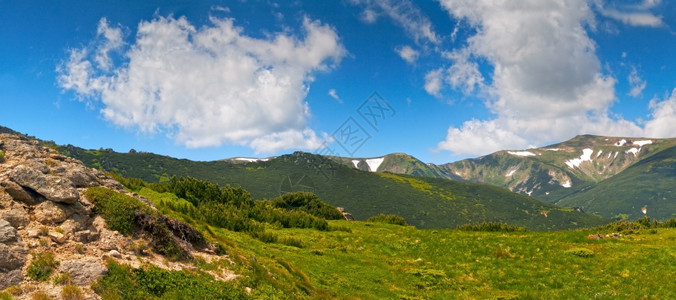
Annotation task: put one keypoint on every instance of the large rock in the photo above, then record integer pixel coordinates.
(54, 188)
(50, 213)
(83, 272)
(7, 232)
(10, 278)
(18, 193)
(12, 257)
(17, 217)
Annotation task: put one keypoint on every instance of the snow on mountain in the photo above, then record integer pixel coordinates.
(249, 159)
(633, 150)
(642, 143)
(374, 163)
(621, 143)
(575, 162)
(356, 163)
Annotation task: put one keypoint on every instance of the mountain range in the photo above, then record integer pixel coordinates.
(608, 176)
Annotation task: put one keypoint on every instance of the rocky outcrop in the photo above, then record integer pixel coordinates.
(54, 188)
(12, 255)
(83, 272)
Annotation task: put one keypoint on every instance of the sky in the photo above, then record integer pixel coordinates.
(440, 80)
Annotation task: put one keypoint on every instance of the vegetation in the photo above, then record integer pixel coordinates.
(150, 282)
(42, 266)
(2, 156)
(388, 219)
(71, 292)
(491, 226)
(309, 203)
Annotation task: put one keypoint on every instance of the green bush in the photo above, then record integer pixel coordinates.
(309, 203)
(580, 252)
(151, 282)
(491, 226)
(42, 266)
(2, 156)
(263, 236)
(389, 219)
(6, 296)
(117, 209)
(293, 242)
(71, 292)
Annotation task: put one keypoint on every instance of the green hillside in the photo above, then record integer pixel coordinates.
(423, 202)
(650, 182)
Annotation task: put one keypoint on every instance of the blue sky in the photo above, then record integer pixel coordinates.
(208, 80)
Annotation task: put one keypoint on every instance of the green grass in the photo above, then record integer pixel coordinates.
(42, 266)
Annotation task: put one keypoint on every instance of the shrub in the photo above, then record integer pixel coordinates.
(491, 226)
(42, 266)
(71, 292)
(389, 219)
(117, 209)
(309, 203)
(6, 296)
(62, 279)
(151, 282)
(580, 252)
(265, 237)
(293, 241)
(2, 156)
(40, 295)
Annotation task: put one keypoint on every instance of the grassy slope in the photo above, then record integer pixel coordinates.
(423, 202)
(381, 261)
(650, 182)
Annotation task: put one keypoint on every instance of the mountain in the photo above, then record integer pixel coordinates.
(425, 202)
(398, 163)
(608, 176)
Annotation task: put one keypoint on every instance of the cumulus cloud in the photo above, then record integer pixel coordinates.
(403, 13)
(334, 95)
(433, 82)
(407, 53)
(546, 82)
(206, 86)
(663, 119)
(637, 84)
(634, 15)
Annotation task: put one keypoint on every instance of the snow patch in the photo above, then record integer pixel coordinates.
(567, 184)
(547, 193)
(510, 173)
(609, 154)
(553, 149)
(374, 163)
(599, 154)
(355, 162)
(616, 153)
(633, 150)
(575, 162)
(521, 153)
(621, 143)
(642, 143)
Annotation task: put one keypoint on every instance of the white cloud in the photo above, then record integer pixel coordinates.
(112, 38)
(433, 82)
(663, 118)
(207, 86)
(404, 13)
(334, 95)
(637, 84)
(634, 15)
(546, 84)
(407, 53)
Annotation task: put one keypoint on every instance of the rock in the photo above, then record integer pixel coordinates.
(33, 233)
(19, 193)
(83, 272)
(10, 278)
(12, 257)
(57, 237)
(17, 217)
(114, 253)
(50, 213)
(54, 188)
(7, 232)
(81, 177)
(86, 236)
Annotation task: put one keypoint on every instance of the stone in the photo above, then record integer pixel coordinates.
(10, 278)
(50, 213)
(83, 272)
(57, 237)
(12, 257)
(16, 216)
(7, 232)
(54, 188)
(33, 233)
(18, 193)
(86, 236)
(114, 253)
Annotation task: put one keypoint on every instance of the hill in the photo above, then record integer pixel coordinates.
(423, 201)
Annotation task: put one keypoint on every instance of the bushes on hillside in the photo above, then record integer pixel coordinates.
(307, 202)
(389, 219)
(42, 266)
(642, 223)
(129, 215)
(491, 226)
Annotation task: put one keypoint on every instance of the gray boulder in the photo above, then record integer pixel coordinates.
(83, 272)
(54, 188)
(17, 217)
(50, 213)
(7, 232)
